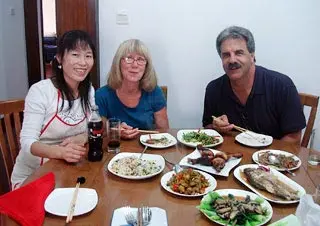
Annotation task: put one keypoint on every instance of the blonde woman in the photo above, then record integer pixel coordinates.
(132, 94)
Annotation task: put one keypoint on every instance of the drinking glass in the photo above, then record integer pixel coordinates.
(316, 196)
(113, 133)
(314, 157)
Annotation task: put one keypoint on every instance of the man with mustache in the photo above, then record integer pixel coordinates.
(251, 96)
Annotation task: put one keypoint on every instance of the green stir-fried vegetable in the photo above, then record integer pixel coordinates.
(231, 210)
(200, 137)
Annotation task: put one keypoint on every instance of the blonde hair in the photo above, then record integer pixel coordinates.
(149, 78)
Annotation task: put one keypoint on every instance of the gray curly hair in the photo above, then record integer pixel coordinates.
(235, 32)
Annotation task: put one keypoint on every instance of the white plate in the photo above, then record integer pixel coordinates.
(212, 184)
(58, 201)
(242, 193)
(276, 173)
(157, 158)
(144, 138)
(159, 217)
(248, 139)
(209, 169)
(255, 158)
(209, 132)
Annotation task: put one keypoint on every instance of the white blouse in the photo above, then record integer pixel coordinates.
(44, 121)
(41, 106)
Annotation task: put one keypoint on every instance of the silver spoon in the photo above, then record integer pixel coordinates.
(274, 160)
(144, 150)
(176, 167)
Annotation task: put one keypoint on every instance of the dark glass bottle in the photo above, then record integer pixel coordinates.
(95, 131)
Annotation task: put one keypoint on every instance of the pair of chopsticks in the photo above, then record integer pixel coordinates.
(243, 130)
(240, 129)
(147, 131)
(143, 131)
(72, 206)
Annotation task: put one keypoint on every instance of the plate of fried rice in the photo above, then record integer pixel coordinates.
(128, 165)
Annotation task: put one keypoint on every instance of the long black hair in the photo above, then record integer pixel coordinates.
(72, 40)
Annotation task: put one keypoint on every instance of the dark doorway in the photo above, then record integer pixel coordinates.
(32, 40)
(75, 14)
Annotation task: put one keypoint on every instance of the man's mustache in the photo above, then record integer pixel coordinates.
(233, 66)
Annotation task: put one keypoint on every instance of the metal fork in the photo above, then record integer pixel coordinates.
(130, 218)
(146, 215)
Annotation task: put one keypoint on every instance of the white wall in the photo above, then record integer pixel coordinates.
(3, 88)
(13, 66)
(181, 36)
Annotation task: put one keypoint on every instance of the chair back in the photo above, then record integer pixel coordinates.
(11, 116)
(310, 101)
(165, 91)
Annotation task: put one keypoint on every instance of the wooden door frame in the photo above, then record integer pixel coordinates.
(32, 34)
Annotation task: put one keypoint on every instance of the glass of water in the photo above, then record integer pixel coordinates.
(314, 157)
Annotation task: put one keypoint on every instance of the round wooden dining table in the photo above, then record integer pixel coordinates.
(115, 192)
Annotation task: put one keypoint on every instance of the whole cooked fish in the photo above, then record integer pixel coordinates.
(266, 181)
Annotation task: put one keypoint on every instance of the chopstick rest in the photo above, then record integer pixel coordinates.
(80, 180)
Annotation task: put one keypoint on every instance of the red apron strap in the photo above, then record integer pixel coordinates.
(41, 162)
(15, 186)
(55, 115)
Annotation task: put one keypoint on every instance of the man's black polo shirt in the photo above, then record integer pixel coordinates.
(273, 106)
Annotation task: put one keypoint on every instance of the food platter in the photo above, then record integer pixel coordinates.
(212, 215)
(255, 158)
(166, 177)
(161, 140)
(209, 169)
(150, 163)
(252, 139)
(239, 174)
(209, 132)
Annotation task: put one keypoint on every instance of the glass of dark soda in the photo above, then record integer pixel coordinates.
(113, 132)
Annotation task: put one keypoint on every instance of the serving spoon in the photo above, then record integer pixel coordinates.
(274, 160)
(144, 150)
(176, 167)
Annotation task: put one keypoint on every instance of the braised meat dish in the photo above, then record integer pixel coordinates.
(208, 158)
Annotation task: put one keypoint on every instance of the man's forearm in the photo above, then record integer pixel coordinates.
(293, 137)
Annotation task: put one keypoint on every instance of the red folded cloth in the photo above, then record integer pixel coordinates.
(26, 204)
